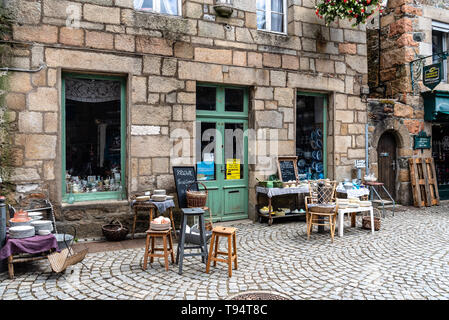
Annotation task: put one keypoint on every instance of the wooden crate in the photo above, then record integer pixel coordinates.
(424, 182)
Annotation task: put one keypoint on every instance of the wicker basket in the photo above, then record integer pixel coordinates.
(366, 222)
(114, 232)
(196, 199)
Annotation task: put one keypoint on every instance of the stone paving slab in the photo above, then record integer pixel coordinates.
(407, 259)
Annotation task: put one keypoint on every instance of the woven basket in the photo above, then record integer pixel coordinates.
(196, 199)
(114, 232)
(366, 223)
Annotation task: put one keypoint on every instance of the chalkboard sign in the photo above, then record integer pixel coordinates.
(184, 176)
(287, 168)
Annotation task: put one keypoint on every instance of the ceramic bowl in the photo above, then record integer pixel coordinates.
(160, 226)
(159, 192)
(158, 197)
(43, 232)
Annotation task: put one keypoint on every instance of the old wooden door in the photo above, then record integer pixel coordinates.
(386, 153)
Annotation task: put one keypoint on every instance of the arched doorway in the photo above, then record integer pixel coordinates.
(387, 164)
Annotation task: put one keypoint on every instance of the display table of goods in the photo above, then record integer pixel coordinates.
(265, 190)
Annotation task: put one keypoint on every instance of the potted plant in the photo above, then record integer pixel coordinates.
(360, 10)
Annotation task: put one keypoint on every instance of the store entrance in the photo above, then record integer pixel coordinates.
(440, 154)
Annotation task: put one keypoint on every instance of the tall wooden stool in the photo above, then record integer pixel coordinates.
(152, 235)
(229, 233)
(182, 237)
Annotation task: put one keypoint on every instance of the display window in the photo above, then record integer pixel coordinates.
(311, 136)
(93, 137)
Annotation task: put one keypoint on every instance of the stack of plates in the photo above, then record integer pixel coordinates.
(158, 197)
(143, 198)
(14, 223)
(365, 203)
(159, 226)
(42, 225)
(21, 232)
(35, 215)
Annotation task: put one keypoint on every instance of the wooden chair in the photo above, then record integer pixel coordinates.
(231, 255)
(317, 215)
(330, 192)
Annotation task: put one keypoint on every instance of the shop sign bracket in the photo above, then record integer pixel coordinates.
(418, 69)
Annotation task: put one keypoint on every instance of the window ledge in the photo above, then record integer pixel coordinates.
(94, 203)
(148, 12)
(274, 33)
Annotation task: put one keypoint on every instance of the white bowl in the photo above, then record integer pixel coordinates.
(158, 197)
(159, 226)
(43, 232)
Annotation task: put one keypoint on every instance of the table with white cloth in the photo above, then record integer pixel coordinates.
(303, 189)
(342, 212)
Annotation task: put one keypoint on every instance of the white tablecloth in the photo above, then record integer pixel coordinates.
(271, 192)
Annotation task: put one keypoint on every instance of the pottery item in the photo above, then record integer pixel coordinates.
(14, 223)
(36, 215)
(158, 197)
(307, 154)
(319, 133)
(319, 144)
(42, 225)
(159, 192)
(21, 232)
(170, 197)
(43, 232)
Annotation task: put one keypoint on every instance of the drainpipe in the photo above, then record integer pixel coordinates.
(23, 70)
(367, 171)
(2, 228)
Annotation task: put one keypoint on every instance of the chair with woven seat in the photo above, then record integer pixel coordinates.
(317, 213)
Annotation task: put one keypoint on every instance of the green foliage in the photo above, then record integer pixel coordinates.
(6, 21)
(360, 10)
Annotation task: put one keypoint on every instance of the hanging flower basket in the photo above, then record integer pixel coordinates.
(358, 10)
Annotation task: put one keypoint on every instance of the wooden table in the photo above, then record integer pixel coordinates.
(143, 206)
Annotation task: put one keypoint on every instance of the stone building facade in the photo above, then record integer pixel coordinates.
(400, 38)
(162, 59)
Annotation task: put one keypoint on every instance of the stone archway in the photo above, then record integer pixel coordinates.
(404, 151)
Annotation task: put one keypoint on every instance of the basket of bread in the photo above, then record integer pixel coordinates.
(160, 224)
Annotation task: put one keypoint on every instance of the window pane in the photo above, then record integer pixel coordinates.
(169, 6)
(437, 44)
(93, 135)
(234, 100)
(277, 6)
(309, 137)
(206, 141)
(261, 4)
(234, 151)
(277, 23)
(206, 98)
(261, 22)
(143, 4)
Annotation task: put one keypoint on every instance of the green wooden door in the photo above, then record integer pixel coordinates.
(222, 149)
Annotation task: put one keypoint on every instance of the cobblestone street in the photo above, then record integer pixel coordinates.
(407, 259)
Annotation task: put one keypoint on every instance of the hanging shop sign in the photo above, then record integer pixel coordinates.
(232, 169)
(422, 141)
(360, 164)
(432, 75)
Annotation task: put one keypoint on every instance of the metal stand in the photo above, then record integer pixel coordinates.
(372, 186)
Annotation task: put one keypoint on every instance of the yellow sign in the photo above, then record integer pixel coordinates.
(232, 169)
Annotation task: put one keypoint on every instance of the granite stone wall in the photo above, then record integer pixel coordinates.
(163, 58)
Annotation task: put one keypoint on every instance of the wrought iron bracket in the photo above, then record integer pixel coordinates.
(416, 67)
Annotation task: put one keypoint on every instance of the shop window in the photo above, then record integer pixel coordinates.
(172, 7)
(272, 15)
(311, 140)
(93, 138)
(440, 37)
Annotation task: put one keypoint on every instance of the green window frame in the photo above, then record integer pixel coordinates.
(325, 105)
(220, 103)
(107, 195)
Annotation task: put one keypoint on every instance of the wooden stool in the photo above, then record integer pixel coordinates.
(151, 237)
(229, 233)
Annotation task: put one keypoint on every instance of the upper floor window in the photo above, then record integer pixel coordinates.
(172, 7)
(440, 38)
(272, 15)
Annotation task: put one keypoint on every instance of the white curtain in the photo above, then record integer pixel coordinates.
(277, 19)
(138, 4)
(277, 5)
(169, 6)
